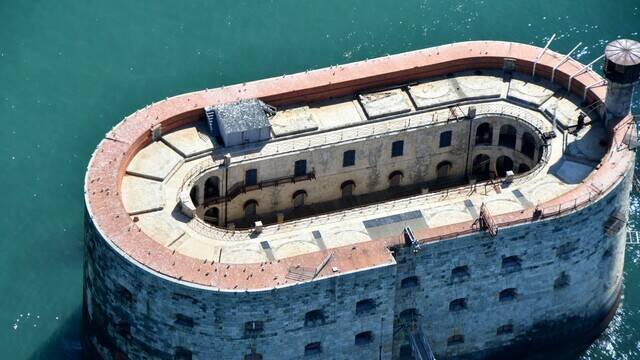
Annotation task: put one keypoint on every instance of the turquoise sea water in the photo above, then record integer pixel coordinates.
(70, 70)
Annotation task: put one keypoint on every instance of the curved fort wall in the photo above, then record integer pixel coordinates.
(142, 301)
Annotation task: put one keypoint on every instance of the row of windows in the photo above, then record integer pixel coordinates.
(459, 339)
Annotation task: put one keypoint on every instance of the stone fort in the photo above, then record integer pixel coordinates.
(466, 201)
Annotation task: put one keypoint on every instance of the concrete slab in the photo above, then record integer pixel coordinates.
(447, 214)
(293, 121)
(530, 92)
(155, 161)
(140, 195)
(383, 103)
(190, 140)
(330, 115)
(451, 90)
(571, 172)
(160, 227)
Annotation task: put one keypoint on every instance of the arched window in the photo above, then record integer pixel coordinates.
(250, 208)
(395, 178)
(455, 339)
(313, 349)
(212, 216)
(523, 168)
(561, 281)
(212, 187)
(254, 356)
(314, 318)
(480, 167)
(458, 304)
(511, 263)
(347, 188)
(182, 354)
(507, 136)
(509, 294)
(365, 306)
(409, 282)
(528, 145)
(484, 134)
(364, 338)
(503, 164)
(443, 169)
(299, 198)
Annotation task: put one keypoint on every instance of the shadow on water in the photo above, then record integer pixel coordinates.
(65, 343)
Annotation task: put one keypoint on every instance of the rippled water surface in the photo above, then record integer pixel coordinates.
(70, 70)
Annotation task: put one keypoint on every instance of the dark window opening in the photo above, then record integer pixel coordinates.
(184, 320)
(250, 208)
(347, 188)
(182, 354)
(395, 178)
(528, 147)
(509, 294)
(460, 273)
(212, 187)
(504, 329)
(124, 294)
(298, 198)
(253, 327)
(455, 339)
(445, 138)
(458, 305)
(364, 338)
(511, 264)
(507, 137)
(193, 194)
(409, 282)
(365, 306)
(523, 168)
(503, 164)
(481, 167)
(561, 281)
(254, 356)
(212, 216)
(443, 170)
(314, 318)
(397, 148)
(313, 349)
(300, 168)
(484, 134)
(251, 177)
(349, 158)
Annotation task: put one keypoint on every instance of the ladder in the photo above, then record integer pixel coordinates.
(419, 343)
(633, 237)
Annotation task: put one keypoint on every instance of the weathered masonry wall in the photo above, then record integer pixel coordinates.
(373, 164)
(132, 313)
(566, 278)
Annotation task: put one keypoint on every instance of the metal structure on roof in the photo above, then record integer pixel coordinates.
(240, 122)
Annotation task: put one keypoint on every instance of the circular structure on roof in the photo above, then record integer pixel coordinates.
(622, 61)
(623, 52)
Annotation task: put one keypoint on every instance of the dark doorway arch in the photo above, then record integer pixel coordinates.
(212, 216)
(347, 188)
(212, 187)
(481, 167)
(193, 194)
(299, 198)
(484, 134)
(528, 145)
(250, 208)
(503, 164)
(395, 178)
(443, 170)
(523, 168)
(508, 136)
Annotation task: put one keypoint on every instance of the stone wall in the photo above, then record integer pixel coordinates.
(569, 275)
